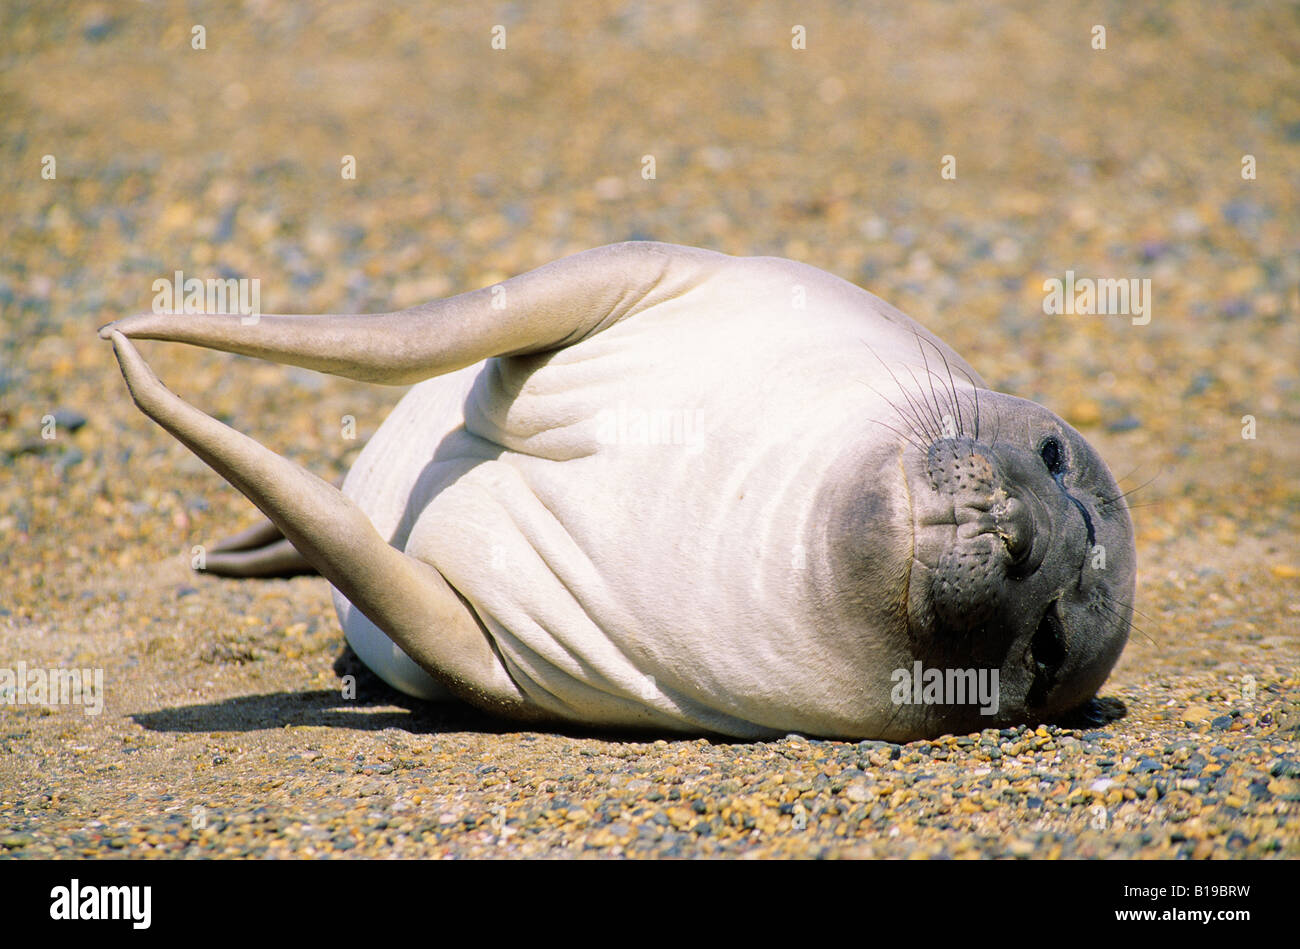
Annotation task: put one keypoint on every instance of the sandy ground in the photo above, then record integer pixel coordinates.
(224, 731)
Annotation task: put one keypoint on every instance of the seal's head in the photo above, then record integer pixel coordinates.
(1023, 557)
(1011, 550)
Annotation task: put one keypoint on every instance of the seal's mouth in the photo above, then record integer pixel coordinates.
(1046, 654)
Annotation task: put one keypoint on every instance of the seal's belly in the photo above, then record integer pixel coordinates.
(425, 426)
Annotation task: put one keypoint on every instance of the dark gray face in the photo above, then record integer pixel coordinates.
(1023, 561)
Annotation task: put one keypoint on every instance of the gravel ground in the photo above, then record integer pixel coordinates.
(224, 731)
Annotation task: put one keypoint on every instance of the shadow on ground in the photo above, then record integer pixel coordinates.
(319, 707)
(377, 707)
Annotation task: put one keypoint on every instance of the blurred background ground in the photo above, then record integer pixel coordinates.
(223, 732)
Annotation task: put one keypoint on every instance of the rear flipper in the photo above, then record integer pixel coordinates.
(260, 551)
(406, 598)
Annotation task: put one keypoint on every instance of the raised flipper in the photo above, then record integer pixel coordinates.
(408, 599)
(546, 308)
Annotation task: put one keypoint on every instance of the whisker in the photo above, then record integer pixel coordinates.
(931, 411)
(930, 435)
(952, 383)
(1106, 501)
(1154, 502)
(899, 434)
(930, 378)
(903, 415)
(1132, 625)
(1115, 601)
(976, 390)
(1130, 473)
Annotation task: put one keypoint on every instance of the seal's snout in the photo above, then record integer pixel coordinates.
(985, 499)
(984, 529)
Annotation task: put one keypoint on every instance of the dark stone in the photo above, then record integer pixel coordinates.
(1285, 768)
(1235, 309)
(71, 457)
(98, 28)
(1153, 250)
(225, 225)
(1242, 212)
(1200, 382)
(69, 419)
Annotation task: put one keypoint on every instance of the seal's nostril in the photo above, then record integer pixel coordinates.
(1016, 527)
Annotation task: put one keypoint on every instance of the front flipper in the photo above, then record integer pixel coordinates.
(406, 598)
(260, 551)
(550, 307)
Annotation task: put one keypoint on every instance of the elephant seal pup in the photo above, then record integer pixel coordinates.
(656, 486)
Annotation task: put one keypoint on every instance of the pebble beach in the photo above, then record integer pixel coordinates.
(1169, 154)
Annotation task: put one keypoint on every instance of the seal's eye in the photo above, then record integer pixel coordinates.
(1053, 454)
